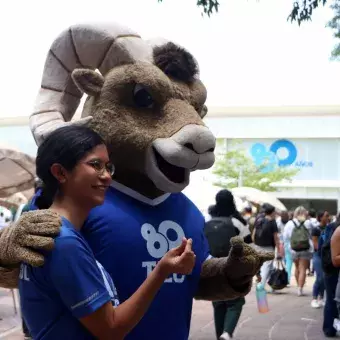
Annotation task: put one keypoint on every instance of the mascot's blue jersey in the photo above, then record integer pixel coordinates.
(128, 237)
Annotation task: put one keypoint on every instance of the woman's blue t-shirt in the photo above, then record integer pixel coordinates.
(70, 285)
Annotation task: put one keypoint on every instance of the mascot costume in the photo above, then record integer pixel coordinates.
(147, 102)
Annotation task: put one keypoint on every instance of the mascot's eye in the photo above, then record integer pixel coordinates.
(142, 97)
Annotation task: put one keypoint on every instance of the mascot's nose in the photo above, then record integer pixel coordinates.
(197, 138)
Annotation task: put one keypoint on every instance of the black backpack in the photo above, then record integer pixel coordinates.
(219, 231)
(262, 235)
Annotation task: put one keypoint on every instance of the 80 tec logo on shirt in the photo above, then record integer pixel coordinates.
(158, 242)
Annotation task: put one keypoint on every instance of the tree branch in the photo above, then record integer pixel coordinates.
(208, 6)
(303, 10)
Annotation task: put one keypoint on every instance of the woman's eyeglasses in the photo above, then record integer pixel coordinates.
(100, 167)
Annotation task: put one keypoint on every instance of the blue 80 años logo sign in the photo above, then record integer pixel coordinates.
(269, 157)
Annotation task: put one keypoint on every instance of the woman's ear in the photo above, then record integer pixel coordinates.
(58, 172)
(88, 81)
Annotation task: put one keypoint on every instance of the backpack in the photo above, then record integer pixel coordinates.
(326, 254)
(219, 231)
(299, 240)
(262, 235)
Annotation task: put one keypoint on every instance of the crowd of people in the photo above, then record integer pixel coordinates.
(308, 239)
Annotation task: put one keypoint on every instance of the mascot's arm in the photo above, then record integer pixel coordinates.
(231, 277)
(33, 231)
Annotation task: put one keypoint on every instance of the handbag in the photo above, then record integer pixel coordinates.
(278, 277)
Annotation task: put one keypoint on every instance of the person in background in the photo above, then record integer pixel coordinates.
(319, 286)
(225, 223)
(266, 238)
(332, 286)
(287, 253)
(247, 213)
(249, 216)
(290, 214)
(301, 258)
(312, 222)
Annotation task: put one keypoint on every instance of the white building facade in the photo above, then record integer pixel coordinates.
(303, 137)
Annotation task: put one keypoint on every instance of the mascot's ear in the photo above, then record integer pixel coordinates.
(88, 81)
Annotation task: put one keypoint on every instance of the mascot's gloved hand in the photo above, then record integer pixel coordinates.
(244, 262)
(21, 241)
(231, 277)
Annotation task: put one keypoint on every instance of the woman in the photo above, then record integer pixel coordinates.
(301, 258)
(72, 296)
(331, 236)
(284, 218)
(266, 238)
(226, 222)
(319, 286)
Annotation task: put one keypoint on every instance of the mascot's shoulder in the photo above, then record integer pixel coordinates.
(183, 199)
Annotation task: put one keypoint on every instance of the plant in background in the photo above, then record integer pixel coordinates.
(235, 167)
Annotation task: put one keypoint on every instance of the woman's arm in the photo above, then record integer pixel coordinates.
(315, 237)
(78, 279)
(109, 323)
(315, 241)
(335, 247)
(276, 237)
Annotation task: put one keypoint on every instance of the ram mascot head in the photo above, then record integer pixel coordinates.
(146, 101)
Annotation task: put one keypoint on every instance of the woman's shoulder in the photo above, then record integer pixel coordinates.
(69, 239)
(68, 230)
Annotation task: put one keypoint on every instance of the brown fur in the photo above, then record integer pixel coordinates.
(129, 130)
(231, 277)
(175, 62)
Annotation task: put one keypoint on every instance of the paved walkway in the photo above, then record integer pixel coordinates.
(290, 318)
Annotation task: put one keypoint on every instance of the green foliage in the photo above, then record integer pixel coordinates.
(334, 24)
(303, 10)
(208, 6)
(235, 164)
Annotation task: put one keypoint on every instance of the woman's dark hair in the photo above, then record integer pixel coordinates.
(312, 213)
(268, 209)
(65, 146)
(225, 205)
(320, 215)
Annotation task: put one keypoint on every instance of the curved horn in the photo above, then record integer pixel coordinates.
(81, 46)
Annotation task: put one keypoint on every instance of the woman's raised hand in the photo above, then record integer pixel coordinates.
(179, 260)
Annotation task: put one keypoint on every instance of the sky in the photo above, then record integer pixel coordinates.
(249, 55)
